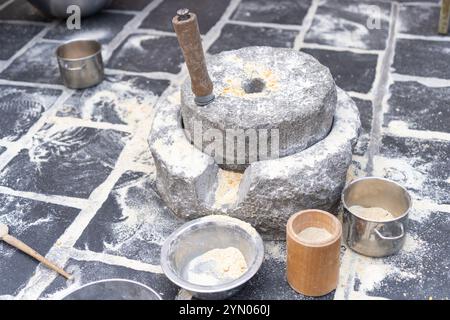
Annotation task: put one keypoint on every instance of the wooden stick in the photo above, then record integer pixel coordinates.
(444, 16)
(25, 248)
(186, 27)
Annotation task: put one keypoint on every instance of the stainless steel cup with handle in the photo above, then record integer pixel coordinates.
(80, 63)
(371, 237)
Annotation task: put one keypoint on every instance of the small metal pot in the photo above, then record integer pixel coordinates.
(376, 238)
(201, 235)
(80, 63)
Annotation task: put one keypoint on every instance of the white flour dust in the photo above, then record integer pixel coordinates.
(130, 104)
(372, 213)
(215, 267)
(314, 234)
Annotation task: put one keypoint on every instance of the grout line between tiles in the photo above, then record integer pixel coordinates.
(400, 129)
(310, 45)
(31, 84)
(426, 81)
(87, 255)
(306, 25)
(150, 75)
(266, 25)
(425, 38)
(381, 90)
(155, 32)
(54, 199)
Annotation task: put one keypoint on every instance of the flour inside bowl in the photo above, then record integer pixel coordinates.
(372, 213)
(313, 234)
(215, 267)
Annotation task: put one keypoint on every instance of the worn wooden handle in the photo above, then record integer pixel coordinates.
(191, 44)
(444, 17)
(25, 248)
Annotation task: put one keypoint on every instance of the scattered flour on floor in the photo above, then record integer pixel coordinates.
(372, 213)
(131, 104)
(313, 234)
(215, 267)
(373, 272)
(275, 250)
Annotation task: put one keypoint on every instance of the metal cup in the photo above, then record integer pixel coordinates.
(80, 63)
(376, 238)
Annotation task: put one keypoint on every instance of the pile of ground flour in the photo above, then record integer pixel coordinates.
(215, 267)
(314, 234)
(372, 213)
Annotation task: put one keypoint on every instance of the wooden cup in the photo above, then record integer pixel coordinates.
(313, 267)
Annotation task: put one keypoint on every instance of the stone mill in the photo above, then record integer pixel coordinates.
(260, 134)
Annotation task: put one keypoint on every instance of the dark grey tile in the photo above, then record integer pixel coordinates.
(37, 64)
(68, 161)
(426, 268)
(366, 116)
(36, 223)
(148, 53)
(15, 36)
(270, 282)
(133, 221)
(422, 58)
(237, 36)
(419, 20)
(135, 5)
(421, 107)
(102, 27)
(89, 271)
(208, 13)
(21, 107)
(351, 71)
(22, 10)
(350, 23)
(420, 165)
(118, 99)
(282, 12)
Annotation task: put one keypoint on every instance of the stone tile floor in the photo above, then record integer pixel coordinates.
(77, 180)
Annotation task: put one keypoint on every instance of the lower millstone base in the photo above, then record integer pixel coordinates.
(267, 192)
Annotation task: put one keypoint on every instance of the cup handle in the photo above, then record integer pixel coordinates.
(74, 69)
(402, 233)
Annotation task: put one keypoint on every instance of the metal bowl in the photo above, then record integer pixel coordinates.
(58, 8)
(113, 289)
(201, 235)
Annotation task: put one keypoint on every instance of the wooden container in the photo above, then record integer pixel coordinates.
(313, 267)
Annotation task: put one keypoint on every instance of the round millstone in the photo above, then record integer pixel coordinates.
(275, 101)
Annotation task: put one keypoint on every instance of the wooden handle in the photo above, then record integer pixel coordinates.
(25, 248)
(188, 34)
(444, 17)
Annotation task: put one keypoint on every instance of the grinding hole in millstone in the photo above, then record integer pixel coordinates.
(254, 85)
